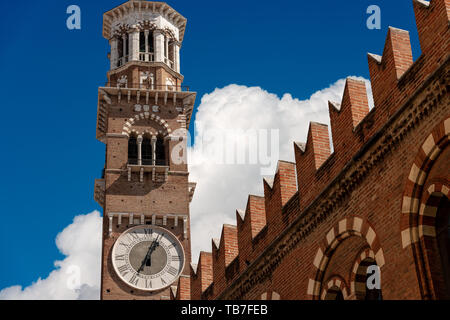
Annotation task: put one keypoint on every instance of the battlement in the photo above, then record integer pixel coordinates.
(395, 78)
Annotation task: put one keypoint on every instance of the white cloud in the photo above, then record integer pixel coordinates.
(221, 189)
(81, 243)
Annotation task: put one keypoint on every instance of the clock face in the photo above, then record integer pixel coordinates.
(148, 258)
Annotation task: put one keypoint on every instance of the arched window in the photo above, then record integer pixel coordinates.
(150, 42)
(120, 48)
(160, 152)
(142, 41)
(146, 46)
(147, 153)
(132, 150)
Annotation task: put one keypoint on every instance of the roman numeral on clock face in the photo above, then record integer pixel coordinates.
(148, 283)
(133, 236)
(125, 245)
(134, 280)
(121, 257)
(173, 271)
(176, 258)
(123, 270)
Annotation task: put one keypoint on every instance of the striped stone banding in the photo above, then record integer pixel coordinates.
(412, 210)
(428, 209)
(126, 130)
(345, 228)
(333, 285)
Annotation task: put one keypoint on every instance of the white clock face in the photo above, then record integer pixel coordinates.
(148, 258)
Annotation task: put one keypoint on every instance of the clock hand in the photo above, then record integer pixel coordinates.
(152, 247)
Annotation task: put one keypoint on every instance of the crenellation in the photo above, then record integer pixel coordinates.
(276, 196)
(249, 224)
(223, 254)
(345, 195)
(202, 275)
(310, 159)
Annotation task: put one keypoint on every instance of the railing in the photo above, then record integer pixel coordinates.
(150, 86)
(146, 56)
(147, 162)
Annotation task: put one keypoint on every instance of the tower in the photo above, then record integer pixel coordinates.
(143, 114)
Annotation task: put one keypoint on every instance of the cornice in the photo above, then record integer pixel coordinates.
(145, 64)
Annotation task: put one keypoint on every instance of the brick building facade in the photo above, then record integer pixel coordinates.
(380, 199)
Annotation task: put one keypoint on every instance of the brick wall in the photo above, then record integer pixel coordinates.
(362, 201)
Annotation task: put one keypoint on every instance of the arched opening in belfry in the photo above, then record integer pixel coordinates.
(132, 150)
(160, 152)
(367, 281)
(120, 52)
(334, 293)
(122, 49)
(146, 45)
(438, 246)
(147, 151)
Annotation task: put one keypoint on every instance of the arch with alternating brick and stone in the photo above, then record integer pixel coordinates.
(351, 226)
(334, 282)
(355, 285)
(127, 128)
(427, 212)
(413, 229)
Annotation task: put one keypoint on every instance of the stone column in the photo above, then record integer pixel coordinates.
(134, 45)
(159, 45)
(154, 150)
(124, 48)
(139, 142)
(146, 32)
(166, 51)
(177, 57)
(114, 52)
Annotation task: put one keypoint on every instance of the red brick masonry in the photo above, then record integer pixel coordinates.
(370, 201)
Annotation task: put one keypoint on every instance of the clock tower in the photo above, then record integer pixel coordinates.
(143, 116)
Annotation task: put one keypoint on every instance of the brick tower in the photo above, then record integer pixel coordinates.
(143, 114)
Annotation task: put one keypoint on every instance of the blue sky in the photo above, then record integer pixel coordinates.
(51, 74)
